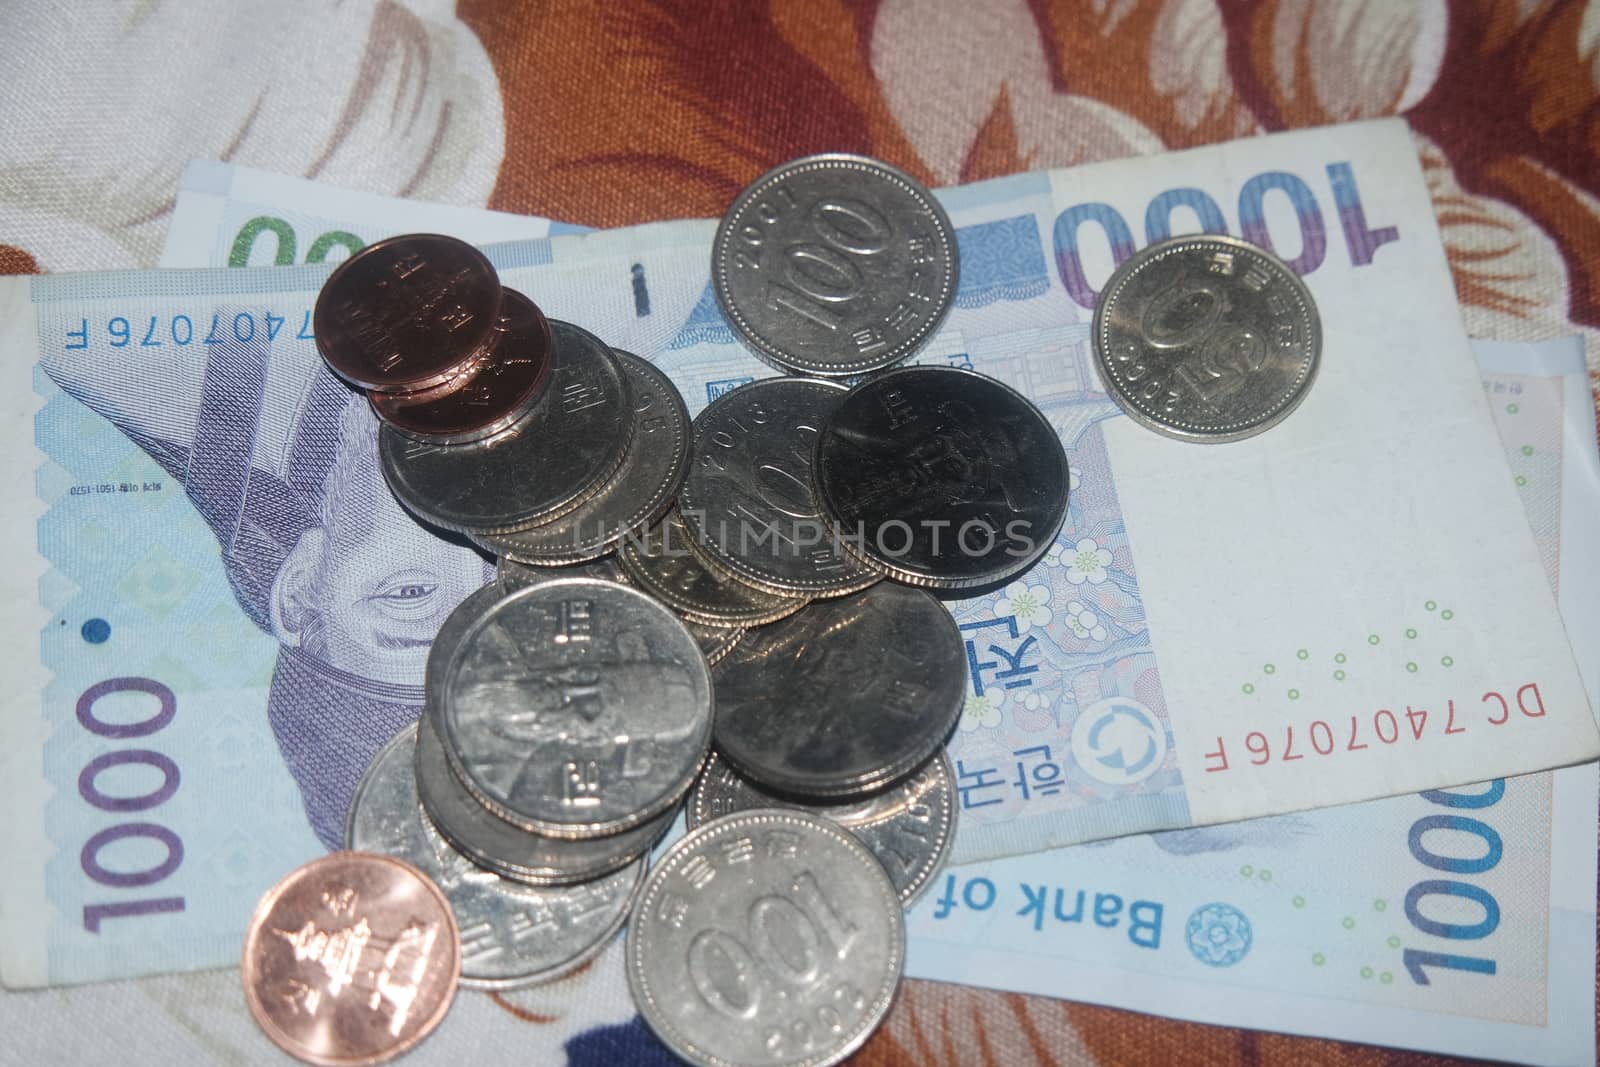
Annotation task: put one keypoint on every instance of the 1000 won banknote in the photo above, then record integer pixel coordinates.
(222, 613)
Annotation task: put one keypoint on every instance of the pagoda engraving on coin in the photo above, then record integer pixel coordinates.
(575, 708)
(492, 393)
(351, 958)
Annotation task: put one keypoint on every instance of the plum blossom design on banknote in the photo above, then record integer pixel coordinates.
(982, 711)
(1063, 689)
(1028, 605)
(1086, 562)
(1084, 623)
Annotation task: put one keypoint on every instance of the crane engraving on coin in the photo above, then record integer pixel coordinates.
(945, 477)
(846, 696)
(835, 265)
(1207, 338)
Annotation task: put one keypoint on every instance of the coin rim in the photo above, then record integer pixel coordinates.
(695, 818)
(694, 610)
(426, 381)
(417, 506)
(737, 568)
(904, 575)
(398, 405)
(638, 984)
(517, 981)
(770, 353)
(1171, 246)
(252, 938)
(656, 505)
(534, 824)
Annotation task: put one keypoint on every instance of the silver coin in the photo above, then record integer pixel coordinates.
(513, 575)
(552, 460)
(835, 265)
(770, 938)
(844, 697)
(641, 489)
(511, 851)
(715, 641)
(511, 934)
(575, 708)
(942, 477)
(749, 499)
(908, 827)
(1207, 338)
(662, 562)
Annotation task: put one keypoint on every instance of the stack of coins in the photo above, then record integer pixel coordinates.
(529, 436)
(445, 354)
(571, 704)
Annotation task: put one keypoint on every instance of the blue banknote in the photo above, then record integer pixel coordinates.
(1458, 920)
(221, 613)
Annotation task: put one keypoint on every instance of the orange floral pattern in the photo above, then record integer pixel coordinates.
(665, 108)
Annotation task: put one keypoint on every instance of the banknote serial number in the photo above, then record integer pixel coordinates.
(180, 331)
(1384, 727)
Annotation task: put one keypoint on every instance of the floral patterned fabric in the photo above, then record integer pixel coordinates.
(632, 110)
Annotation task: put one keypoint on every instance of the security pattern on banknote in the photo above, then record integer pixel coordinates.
(227, 665)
